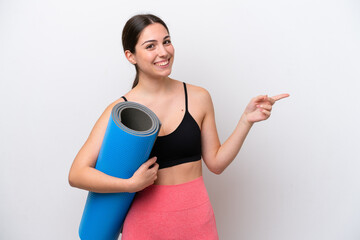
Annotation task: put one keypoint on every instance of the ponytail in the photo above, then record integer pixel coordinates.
(136, 81)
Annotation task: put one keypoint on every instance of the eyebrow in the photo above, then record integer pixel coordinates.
(154, 40)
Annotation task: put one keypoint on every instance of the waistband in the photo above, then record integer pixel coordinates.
(172, 197)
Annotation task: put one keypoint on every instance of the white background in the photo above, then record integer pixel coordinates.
(297, 175)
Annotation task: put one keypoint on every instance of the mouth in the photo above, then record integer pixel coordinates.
(164, 63)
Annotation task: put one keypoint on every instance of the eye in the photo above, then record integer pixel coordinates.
(167, 42)
(150, 46)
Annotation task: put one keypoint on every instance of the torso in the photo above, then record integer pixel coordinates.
(179, 174)
(170, 110)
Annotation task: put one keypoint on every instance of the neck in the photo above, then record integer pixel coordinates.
(150, 86)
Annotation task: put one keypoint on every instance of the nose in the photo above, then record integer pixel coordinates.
(162, 52)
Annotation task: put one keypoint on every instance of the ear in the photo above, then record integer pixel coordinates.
(130, 57)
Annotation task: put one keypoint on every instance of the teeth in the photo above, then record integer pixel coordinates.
(162, 63)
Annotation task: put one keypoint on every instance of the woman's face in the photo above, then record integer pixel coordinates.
(154, 53)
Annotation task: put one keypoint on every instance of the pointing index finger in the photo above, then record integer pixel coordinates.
(280, 96)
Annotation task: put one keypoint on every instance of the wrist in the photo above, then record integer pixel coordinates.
(243, 120)
(130, 185)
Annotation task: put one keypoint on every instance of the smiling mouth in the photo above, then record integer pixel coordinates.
(163, 63)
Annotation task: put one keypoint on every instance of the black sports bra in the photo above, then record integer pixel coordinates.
(183, 145)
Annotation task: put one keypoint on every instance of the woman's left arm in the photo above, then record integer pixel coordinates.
(218, 156)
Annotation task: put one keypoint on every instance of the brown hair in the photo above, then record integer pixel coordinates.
(131, 33)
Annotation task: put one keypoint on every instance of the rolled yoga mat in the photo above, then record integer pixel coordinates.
(128, 140)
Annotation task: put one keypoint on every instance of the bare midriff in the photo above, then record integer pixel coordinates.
(179, 174)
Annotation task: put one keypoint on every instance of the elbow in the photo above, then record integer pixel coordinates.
(217, 171)
(71, 183)
(72, 179)
(214, 166)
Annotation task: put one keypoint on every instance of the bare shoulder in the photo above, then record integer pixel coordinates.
(101, 123)
(108, 109)
(199, 95)
(199, 102)
(111, 105)
(88, 153)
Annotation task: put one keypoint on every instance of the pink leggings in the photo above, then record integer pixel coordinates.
(180, 211)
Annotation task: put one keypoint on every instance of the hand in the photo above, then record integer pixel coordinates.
(145, 175)
(260, 107)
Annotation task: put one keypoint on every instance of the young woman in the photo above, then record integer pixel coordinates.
(172, 201)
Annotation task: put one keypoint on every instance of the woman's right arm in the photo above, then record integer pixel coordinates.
(84, 175)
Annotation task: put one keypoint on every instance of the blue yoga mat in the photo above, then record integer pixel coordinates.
(128, 140)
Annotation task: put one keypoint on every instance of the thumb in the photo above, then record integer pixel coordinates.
(150, 162)
(260, 98)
